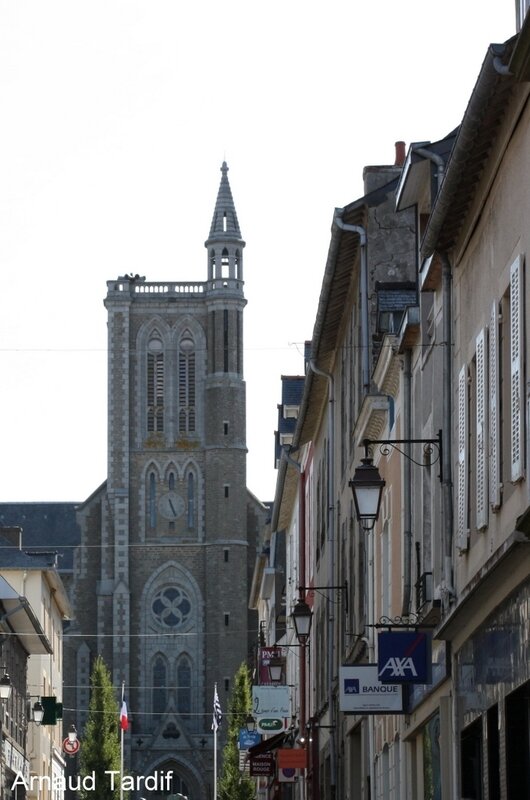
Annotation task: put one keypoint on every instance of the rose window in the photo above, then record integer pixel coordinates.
(171, 607)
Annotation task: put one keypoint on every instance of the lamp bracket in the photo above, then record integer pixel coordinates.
(412, 620)
(342, 587)
(430, 447)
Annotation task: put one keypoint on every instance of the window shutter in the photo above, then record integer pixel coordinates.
(462, 534)
(482, 438)
(516, 378)
(494, 423)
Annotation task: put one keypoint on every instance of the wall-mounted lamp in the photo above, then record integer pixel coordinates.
(367, 487)
(37, 712)
(5, 685)
(302, 617)
(367, 484)
(276, 665)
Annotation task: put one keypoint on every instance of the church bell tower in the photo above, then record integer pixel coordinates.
(171, 567)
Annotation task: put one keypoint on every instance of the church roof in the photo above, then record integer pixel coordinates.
(224, 222)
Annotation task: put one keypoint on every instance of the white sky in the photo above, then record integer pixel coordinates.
(115, 116)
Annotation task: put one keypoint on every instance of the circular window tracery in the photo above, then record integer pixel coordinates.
(171, 607)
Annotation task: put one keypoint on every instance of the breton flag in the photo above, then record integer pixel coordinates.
(124, 719)
(217, 713)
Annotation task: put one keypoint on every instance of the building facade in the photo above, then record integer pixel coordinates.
(34, 607)
(428, 351)
(168, 541)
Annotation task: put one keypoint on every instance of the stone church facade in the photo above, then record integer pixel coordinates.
(168, 543)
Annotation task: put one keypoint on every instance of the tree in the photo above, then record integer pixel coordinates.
(100, 745)
(234, 784)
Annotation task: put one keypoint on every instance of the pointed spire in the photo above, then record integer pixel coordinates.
(224, 222)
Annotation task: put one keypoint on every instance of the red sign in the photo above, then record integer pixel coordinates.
(71, 747)
(262, 764)
(294, 757)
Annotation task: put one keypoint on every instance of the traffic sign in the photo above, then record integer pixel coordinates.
(71, 747)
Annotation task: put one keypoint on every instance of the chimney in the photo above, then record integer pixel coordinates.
(400, 154)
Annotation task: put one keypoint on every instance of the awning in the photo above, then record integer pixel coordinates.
(20, 618)
(266, 745)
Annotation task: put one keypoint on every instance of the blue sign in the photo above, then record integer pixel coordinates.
(248, 739)
(404, 657)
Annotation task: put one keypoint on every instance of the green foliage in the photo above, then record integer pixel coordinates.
(234, 784)
(100, 744)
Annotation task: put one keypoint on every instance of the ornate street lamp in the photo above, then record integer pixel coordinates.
(367, 487)
(37, 712)
(302, 617)
(276, 664)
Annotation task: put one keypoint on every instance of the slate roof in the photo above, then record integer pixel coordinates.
(45, 527)
(292, 389)
(224, 222)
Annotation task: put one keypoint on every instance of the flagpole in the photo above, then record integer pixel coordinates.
(215, 754)
(121, 742)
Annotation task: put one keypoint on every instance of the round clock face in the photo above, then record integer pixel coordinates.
(171, 505)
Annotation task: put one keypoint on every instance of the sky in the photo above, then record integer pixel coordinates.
(115, 117)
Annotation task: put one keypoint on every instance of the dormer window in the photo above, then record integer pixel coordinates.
(290, 412)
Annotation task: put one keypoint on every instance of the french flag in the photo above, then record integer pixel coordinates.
(124, 719)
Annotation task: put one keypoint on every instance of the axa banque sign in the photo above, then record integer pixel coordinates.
(404, 657)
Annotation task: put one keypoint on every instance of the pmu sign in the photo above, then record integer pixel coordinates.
(404, 657)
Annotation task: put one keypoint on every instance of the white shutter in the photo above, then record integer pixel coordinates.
(462, 534)
(516, 379)
(482, 438)
(494, 407)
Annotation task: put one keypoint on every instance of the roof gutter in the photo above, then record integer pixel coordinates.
(365, 330)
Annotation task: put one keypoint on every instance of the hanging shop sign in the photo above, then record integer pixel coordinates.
(263, 764)
(295, 757)
(361, 692)
(271, 724)
(404, 657)
(271, 701)
(248, 739)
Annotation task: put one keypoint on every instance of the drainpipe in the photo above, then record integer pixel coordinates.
(436, 159)
(407, 488)
(365, 327)
(447, 487)
(331, 572)
(302, 581)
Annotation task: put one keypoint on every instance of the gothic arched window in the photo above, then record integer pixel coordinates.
(155, 385)
(152, 500)
(184, 686)
(186, 379)
(191, 501)
(159, 686)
